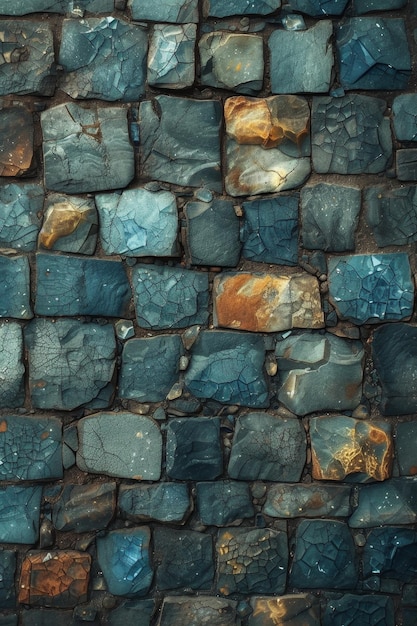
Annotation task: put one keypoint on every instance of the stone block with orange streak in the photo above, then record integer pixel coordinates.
(267, 303)
(16, 143)
(298, 609)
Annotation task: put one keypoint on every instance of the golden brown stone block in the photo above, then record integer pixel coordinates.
(16, 141)
(267, 303)
(61, 219)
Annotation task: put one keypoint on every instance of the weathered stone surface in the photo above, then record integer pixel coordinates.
(367, 6)
(103, 58)
(165, 502)
(15, 287)
(12, 370)
(19, 514)
(45, 617)
(318, 8)
(390, 553)
(298, 609)
(70, 224)
(405, 448)
(132, 612)
(319, 372)
(7, 573)
(405, 117)
(86, 149)
(373, 53)
(150, 367)
(193, 450)
(392, 214)
(21, 205)
(406, 164)
(294, 66)
(83, 508)
(391, 502)
(70, 363)
(123, 556)
(215, 611)
(329, 216)
(251, 560)
(171, 60)
(367, 610)
(223, 502)
(23, 7)
(218, 8)
(350, 135)
(176, 11)
(269, 230)
(266, 302)
(267, 447)
(180, 141)
(16, 140)
(345, 448)
(312, 500)
(227, 366)
(120, 444)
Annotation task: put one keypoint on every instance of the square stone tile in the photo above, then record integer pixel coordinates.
(171, 57)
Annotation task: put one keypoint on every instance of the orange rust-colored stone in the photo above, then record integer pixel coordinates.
(3, 426)
(16, 141)
(61, 220)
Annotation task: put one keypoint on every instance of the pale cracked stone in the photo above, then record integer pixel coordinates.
(267, 303)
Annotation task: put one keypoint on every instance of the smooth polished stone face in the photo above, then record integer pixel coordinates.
(219, 8)
(15, 287)
(19, 514)
(171, 57)
(298, 609)
(367, 610)
(405, 448)
(16, 141)
(21, 205)
(406, 164)
(193, 449)
(318, 8)
(314, 500)
(392, 214)
(70, 224)
(223, 502)
(215, 611)
(176, 11)
(7, 573)
(391, 553)
(165, 502)
(404, 108)
(12, 389)
(391, 502)
(84, 508)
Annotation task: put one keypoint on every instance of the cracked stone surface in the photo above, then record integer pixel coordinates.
(20, 221)
(84, 508)
(218, 8)
(406, 164)
(297, 609)
(15, 287)
(19, 514)
(215, 611)
(224, 502)
(86, 149)
(25, 7)
(369, 610)
(171, 59)
(405, 117)
(391, 502)
(193, 450)
(12, 370)
(70, 224)
(392, 214)
(405, 438)
(166, 502)
(120, 444)
(70, 363)
(390, 553)
(314, 500)
(174, 11)
(318, 8)
(16, 140)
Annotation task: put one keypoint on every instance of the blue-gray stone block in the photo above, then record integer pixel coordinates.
(132, 613)
(227, 366)
(269, 230)
(70, 363)
(171, 57)
(15, 287)
(350, 135)
(180, 141)
(392, 502)
(123, 556)
(12, 389)
(70, 224)
(7, 572)
(404, 110)
(373, 53)
(174, 11)
(220, 8)
(84, 508)
(150, 367)
(405, 448)
(30, 448)
(359, 610)
(318, 8)
(392, 214)
(224, 502)
(70, 285)
(165, 502)
(25, 7)
(367, 6)
(170, 297)
(86, 149)
(371, 288)
(302, 500)
(19, 514)
(193, 449)
(138, 222)
(103, 58)
(391, 553)
(20, 205)
(406, 164)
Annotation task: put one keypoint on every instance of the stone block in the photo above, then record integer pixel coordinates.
(216, 611)
(15, 287)
(298, 609)
(12, 389)
(406, 164)
(219, 8)
(171, 57)
(405, 448)
(70, 224)
(165, 502)
(314, 500)
(224, 502)
(7, 582)
(19, 222)
(131, 612)
(405, 117)
(193, 450)
(391, 553)
(318, 8)
(388, 210)
(367, 6)
(19, 514)
(16, 140)
(366, 610)
(25, 7)
(84, 508)
(391, 502)
(174, 11)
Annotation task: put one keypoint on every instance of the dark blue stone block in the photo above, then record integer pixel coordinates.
(164, 502)
(404, 109)
(7, 572)
(19, 221)
(405, 447)
(392, 502)
(19, 514)
(193, 449)
(223, 502)
(84, 508)
(318, 8)
(132, 613)
(391, 553)
(14, 287)
(355, 610)
(406, 164)
(409, 617)
(270, 230)
(48, 617)
(367, 6)
(392, 214)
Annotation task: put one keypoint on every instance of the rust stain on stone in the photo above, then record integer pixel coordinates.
(61, 220)
(3, 426)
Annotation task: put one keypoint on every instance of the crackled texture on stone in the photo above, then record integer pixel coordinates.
(15, 287)
(392, 214)
(212, 234)
(150, 367)
(391, 502)
(12, 370)
(391, 553)
(269, 230)
(84, 508)
(266, 302)
(16, 141)
(120, 444)
(70, 224)
(324, 556)
(123, 556)
(30, 448)
(7, 573)
(170, 297)
(232, 61)
(350, 135)
(24, 7)
(395, 358)
(251, 560)
(330, 215)
(58, 578)
(318, 8)
(20, 206)
(404, 109)
(319, 372)
(223, 502)
(406, 164)
(314, 500)
(103, 58)
(219, 8)
(344, 448)
(268, 144)
(406, 448)
(197, 610)
(174, 11)
(166, 502)
(70, 363)
(131, 613)
(297, 609)
(359, 610)
(294, 66)
(267, 447)
(138, 222)
(180, 141)
(19, 514)
(86, 149)
(228, 367)
(183, 558)
(171, 60)
(193, 450)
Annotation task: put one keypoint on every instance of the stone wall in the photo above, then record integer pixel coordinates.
(208, 366)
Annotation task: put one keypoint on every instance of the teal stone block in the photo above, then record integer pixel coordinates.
(373, 53)
(371, 288)
(404, 109)
(47, 617)
(171, 57)
(392, 502)
(303, 609)
(216, 611)
(150, 367)
(84, 508)
(176, 11)
(409, 617)
(391, 553)
(165, 502)
(103, 58)
(227, 366)
(70, 285)
(7, 573)
(20, 205)
(367, 6)
(15, 287)
(170, 297)
(219, 8)
(406, 164)
(70, 363)
(70, 224)
(318, 8)
(123, 556)
(223, 502)
(324, 556)
(359, 610)
(12, 389)
(406, 448)
(132, 613)
(19, 514)
(388, 210)
(138, 222)
(301, 500)
(269, 230)
(193, 449)
(25, 7)
(30, 448)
